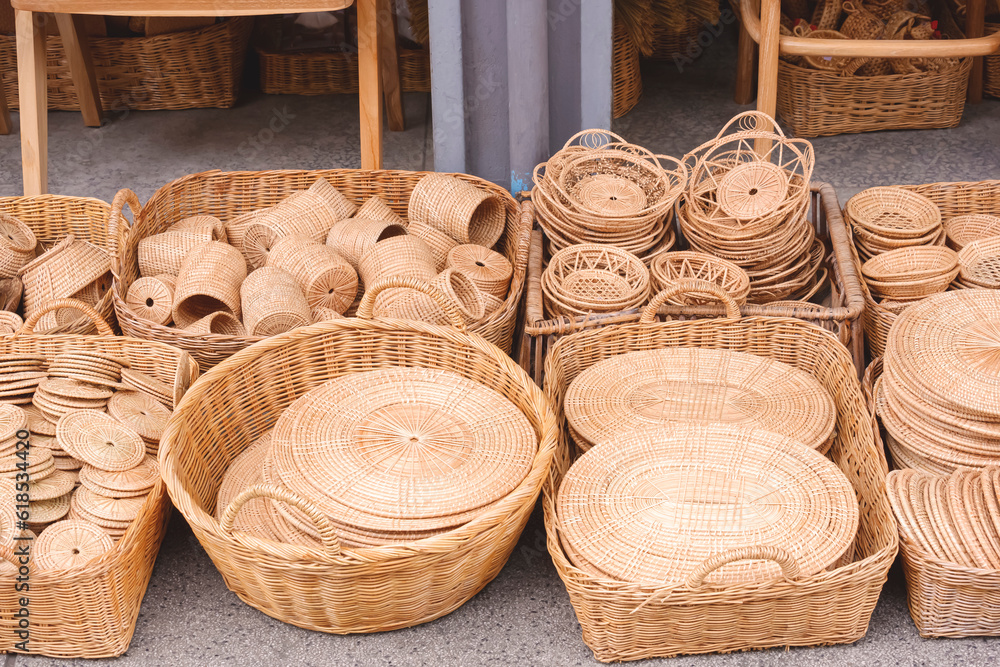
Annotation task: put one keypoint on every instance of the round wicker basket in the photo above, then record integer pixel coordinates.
(272, 302)
(457, 208)
(209, 281)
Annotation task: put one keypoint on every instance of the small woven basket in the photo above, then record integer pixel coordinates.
(152, 299)
(62, 271)
(964, 229)
(236, 227)
(353, 237)
(861, 23)
(826, 15)
(376, 209)
(163, 253)
(17, 245)
(199, 223)
(272, 302)
(400, 256)
(689, 265)
(590, 278)
(457, 208)
(209, 280)
(980, 263)
(407, 304)
(439, 243)
(306, 213)
(327, 280)
(489, 270)
(219, 323)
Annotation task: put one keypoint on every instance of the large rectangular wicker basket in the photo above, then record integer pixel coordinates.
(813, 103)
(325, 73)
(181, 70)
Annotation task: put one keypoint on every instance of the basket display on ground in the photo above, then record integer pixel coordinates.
(91, 611)
(840, 312)
(181, 70)
(628, 622)
(226, 195)
(336, 589)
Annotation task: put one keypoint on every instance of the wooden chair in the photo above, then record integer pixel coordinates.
(760, 21)
(376, 30)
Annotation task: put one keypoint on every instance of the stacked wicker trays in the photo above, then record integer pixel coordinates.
(90, 609)
(355, 588)
(937, 397)
(693, 613)
(360, 210)
(949, 530)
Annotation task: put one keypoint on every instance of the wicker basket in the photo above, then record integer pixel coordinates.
(229, 194)
(624, 621)
(991, 67)
(819, 104)
(840, 314)
(333, 73)
(52, 218)
(90, 612)
(668, 44)
(180, 70)
(328, 588)
(626, 79)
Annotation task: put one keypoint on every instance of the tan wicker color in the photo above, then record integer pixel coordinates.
(354, 237)
(439, 243)
(386, 587)
(141, 412)
(55, 484)
(489, 270)
(457, 208)
(324, 314)
(242, 473)
(687, 264)
(626, 78)
(964, 229)
(458, 290)
(151, 299)
(826, 15)
(376, 209)
(341, 206)
(164, 253)
(17, 245)
(980, 263)
(99, 440)
(326, 279)
(70, 544)
(199, 223)
(308, 213)
(236, 226)
(840, 65)
(273, 302)
(139, 479)
(62, 271)
(9, 322)
(624, 621)
(221, 323)
(209, 281)
(401, 256)
(591, 278)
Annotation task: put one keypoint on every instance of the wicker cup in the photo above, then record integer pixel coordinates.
(164, 253)
(353, 237)
(307, 213)
(152, 299)
(401, 256)
(17, 245)
(457, 288)
(62, 271)
(439, 243)
(341, 206)
(352, 590)
(272, 302)
(489, 270)
(327, 280)
(209, 280)
(457, 208)
(623, 621)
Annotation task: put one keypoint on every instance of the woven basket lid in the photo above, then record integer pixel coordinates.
(946, 348)
(699, 385)
(108, 509)
(244, 472)
(12, 420)
(401, 443)
(47, 511)
(57, 484)
(100, 440)
(68, 544)
(752, 190)
(652, 505)
(140, 411)
(142, 478)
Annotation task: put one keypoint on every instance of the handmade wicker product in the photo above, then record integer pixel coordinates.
(980, 263)
(327, 280)
(163, 253)
(887, 218)
(964, 229)
(405, 255)
(151, 299)
(351, 590)
(591, 278)
(626, 78)
(90, 612)
(62, 271)
(457, 208)
(911, 273)
(457, 288)
(623, 621)
(17, 245)
(305, 212)
(272, 302)
(227, 195)
(9, 322)
(686, 264)
(489, 270)
(353, 237)
(439, 243)
(220, 322)
(209, 281)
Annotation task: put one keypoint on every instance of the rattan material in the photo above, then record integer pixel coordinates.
(844, 66)
(17, 245)
(489, 270)
(44, 512)
(626, 78)
(12, 420)
(54, 485)
(324, 314)
(457, 208)
(964, 229)
(666, 507)
(354, 237)
(273, 302)
(594, 278)
(980, 263)
(151, 299)
(826, 15)
(456, 290)
(103, 442)
(439, 243)
(376, 209)
(164, 253)
(209, 281)
(890, 213)
(341, 206)
(653, 389)
(307, 212)
(219, 323)
(326, 279)
(70, 544)
(243, 472)
(112, 510)
(62, 271)
(681, 265)
(142, 477)
(9, 322)
(141, 412)
(404, 256)
(200, 222)
(236, 226)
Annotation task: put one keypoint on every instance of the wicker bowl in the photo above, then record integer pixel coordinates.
(893, 213)
(980, 263)
(910, 264)
(594, 278)
(964, 229)
(685, 264)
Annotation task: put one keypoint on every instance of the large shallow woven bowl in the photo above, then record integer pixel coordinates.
(691, 265)
(594, 278)
(331, 588)
(626, 621)
(893, 213)
(227, 195)
(91, 611)
(980, 263)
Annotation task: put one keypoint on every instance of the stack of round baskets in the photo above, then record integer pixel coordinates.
(887, 218)
(599, 189)
(979, 263)
(750, 207)
(910, 273)
(591, 278)
(351, 588)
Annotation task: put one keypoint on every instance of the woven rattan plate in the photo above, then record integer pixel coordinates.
(12, 420)
(69, 544)
(244, 472)
(108, 509)
(650, 506)
(401, 443)
(47, 511)
(138, 479)
(54, 485)
(752, 190)
(146, 415)
(698, 385)
(100, 440)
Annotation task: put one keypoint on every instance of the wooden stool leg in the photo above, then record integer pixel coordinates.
(81, 66)
(369, 82)
(32, 96)
(767, 72)
(975, 18)
(6, 127)
(389, 57)
(745, 66)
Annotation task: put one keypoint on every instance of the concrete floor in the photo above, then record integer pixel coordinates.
(524, 617)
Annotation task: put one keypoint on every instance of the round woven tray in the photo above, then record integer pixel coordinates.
(100, 440)
(667, 506)
(151, 299)
(141, 412)
(702, 386)
(964, 229)
(684, 264)
(68, 544)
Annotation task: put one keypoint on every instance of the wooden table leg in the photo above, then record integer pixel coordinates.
(389, 57)
(746, 55)
(370, 82)
(6, 127)
(975, 18)
(72, 30)
(32, 96)
(767, 71)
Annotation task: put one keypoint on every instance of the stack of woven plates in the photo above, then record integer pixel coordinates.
(750, 208)
(939, 394)
(954, 518)
(662, 387)
(19, 375)
(912, 273)
(601, 189)
(589, 278)
(714, 504)
(885, 219)
(979, 262)
(389, 456)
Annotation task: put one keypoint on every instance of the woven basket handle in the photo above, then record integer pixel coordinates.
(56, 304)
(789, 568)
(689, 286)
(118, 226)
(367, 305)
(331, 543)
(751, 121)
(589, 139)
